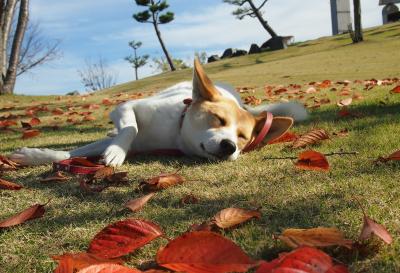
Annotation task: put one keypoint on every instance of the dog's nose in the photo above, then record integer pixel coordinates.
(227, 147)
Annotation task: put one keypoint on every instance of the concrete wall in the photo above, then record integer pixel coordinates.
(341, 18)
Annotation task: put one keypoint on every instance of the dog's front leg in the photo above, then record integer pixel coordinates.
(124, 120)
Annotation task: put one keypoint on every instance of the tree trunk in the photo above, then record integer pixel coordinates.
(171, 64)
(263, 22)
(11, 74)
(358, 33)
(136, 73)
(136, 63)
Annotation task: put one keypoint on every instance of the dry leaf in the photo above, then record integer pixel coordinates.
(287, 137)
(394, 157)
(310, 138)
(371, 227)
(108, 268)
(231, 217)
(302, 260)
(312, 160)
(36, 211)
(123, 237)
(189, 199)
(161, 182)
(396, 89)
(203, 251)
(138, 203)
(30, 133)
(55, 177)
(7, 164)
(73, 262)
(7, 185)
(57, 111)
(342, 133)
(345, 102)
(315, 237)
(103, 173)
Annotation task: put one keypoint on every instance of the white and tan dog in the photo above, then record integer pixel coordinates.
(215, 125)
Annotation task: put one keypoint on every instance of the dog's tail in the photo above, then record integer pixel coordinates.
(290, 109)
(35, 156)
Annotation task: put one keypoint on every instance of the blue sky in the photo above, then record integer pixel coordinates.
(89, 29)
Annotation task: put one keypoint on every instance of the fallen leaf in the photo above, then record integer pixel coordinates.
(302, 260)
(118, 178)
(205, 226)
(342, 133)
(312, 160)
(315, 237)
(231, 217)
(287, 137)
(310, 138)
(7, 164)
(108, 268)
(55, 177)
(392, 157)
(84, 185)
(371, 227)
(203, 251)
(138, 203)
(57, 111)
(7, 123)
(7, 185)
(396, 89)
(34, 121)
(103, 172)
(33, 212)
(73, 262)
(30, 133)
(311, 90)
(345, 102)
(161, 182)
(189, 199)
(123, 237)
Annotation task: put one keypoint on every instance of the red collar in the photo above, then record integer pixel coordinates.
(260, 137)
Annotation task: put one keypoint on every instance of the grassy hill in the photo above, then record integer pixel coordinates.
(288, 197)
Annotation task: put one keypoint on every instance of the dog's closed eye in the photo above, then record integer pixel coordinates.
(219, 121)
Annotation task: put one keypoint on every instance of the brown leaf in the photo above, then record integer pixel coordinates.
(138, 203)
(84, 185)
(7, 185)
(189, 199)
(36, 211)
(55, 177)
(394, 157)
(231, 217)
(345, 102)
(315, 237)
(205, 226)
(371, 227)
(73, 262)
(161, 182)
(57, 111)
(103, 173)
(287, 137)
(203, 251)
(34, 121)
(30, 133)
(123, 237)
(342, 133)
(312, 160)
(118, 178)
(7, 164)
(310, 138)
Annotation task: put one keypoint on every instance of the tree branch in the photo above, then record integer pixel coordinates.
(328, 154)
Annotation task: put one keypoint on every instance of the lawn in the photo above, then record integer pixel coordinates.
(288, 197)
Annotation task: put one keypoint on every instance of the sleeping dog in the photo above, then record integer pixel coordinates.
(198, 119)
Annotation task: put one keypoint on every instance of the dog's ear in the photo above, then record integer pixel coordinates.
(202, 86)
(280, 125)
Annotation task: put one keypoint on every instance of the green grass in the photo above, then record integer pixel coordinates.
(289, 198)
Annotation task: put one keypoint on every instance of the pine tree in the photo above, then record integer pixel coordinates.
(135, 60)
(153, 15)
(249, 8)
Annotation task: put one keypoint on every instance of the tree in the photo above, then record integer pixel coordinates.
(9, 66)
(153, 16)
(201, 56)
(357, 36)
(135, 60)
(97, 75)
(161, 64)
(22, 46)
(249, 8)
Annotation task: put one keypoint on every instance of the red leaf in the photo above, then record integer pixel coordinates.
(312, 160)
(287, 137)
(30, 133)
(123, 237)
(7, 164)
(302, 260)
(7, 185)
(57, 111)
(36, 211)
(108, 268)
(371, 227)
(34, 121)
(72, 262)
(161, 182)
(396, 89)
(394, 156)
(138, 203)
(7, 123)
(203, 251)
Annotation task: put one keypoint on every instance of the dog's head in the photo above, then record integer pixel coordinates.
(217, 127)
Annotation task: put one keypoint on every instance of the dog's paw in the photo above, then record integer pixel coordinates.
(35, 156)
(114, 156)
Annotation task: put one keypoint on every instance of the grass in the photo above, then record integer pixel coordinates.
(289, 198)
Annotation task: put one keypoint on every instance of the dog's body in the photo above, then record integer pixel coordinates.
(216, 125)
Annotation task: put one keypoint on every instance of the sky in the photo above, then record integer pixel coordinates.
(88, 30)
